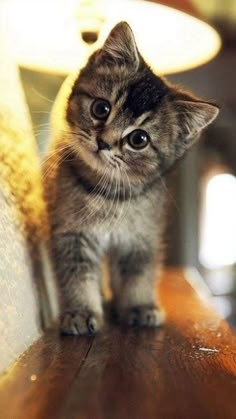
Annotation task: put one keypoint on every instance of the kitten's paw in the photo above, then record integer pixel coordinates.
(80, 322)
(144, 316)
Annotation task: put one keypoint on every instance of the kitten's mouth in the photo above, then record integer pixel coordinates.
(109, 158)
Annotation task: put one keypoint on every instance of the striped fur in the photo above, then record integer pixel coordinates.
(112, 201)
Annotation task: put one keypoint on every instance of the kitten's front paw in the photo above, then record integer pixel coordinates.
(144, 316)
(80, 322)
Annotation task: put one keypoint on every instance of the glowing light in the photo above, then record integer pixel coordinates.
(218, 241)
(223, 306)
(46, 35)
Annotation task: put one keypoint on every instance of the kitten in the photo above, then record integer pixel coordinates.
(118, 128)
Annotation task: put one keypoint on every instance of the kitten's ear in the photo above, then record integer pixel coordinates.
(120, 46)
(195, 116)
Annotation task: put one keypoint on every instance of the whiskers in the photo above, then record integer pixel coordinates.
(119, 205)
(53, 158)
(110, 198)
(77, 134)
(41, 96)
(99, 193)
(169, 194)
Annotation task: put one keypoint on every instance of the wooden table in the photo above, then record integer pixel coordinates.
(185, 370)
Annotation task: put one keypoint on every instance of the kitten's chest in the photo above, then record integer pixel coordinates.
(120, 213)
(108, 212)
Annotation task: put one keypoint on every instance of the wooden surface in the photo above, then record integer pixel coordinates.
(185, 370)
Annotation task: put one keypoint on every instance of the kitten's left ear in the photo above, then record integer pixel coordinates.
(120, 46)
(195, 116)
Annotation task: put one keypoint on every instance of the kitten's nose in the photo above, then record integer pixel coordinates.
(102, 145)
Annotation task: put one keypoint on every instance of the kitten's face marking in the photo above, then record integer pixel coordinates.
(124, 117)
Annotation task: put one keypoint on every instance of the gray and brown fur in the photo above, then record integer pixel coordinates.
(111, 201)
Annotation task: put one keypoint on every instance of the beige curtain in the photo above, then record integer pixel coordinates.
(24, 302)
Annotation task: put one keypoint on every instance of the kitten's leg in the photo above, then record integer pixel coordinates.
(135, 289)
(77, 265)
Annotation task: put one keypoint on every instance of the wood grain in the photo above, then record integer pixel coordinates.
(185, 370)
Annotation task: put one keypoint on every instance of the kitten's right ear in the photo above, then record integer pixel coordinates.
(120, 47)
(195, 116)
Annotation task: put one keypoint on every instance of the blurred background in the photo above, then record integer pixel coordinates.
(202, 190)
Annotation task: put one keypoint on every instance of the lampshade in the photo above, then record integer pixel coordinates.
(46, 35)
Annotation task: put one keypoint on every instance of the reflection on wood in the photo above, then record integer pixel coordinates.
(185, 370)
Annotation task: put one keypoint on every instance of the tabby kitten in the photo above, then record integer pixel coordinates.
(117, 130)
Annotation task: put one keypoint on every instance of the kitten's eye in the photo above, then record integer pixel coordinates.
(100, 109)
(138, 139)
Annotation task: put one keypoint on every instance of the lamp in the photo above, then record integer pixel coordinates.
(58, 36)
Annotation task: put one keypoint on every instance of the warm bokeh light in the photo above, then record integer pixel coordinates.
(218, 244)
(46, 35)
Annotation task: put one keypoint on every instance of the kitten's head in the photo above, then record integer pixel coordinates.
(124, 116)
